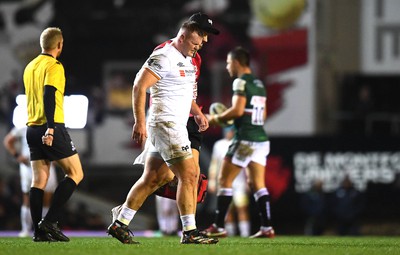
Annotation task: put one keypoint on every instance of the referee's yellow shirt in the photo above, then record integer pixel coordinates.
(41, 71)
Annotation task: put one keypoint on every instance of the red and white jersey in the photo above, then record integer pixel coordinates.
(171, 96)
(196, 61)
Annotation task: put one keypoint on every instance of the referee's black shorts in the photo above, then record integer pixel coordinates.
(195, 137)
(62, 146)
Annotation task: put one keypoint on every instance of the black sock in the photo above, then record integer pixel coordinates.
(36, 206)
(63, 192)
(265, 212)
(223, 203)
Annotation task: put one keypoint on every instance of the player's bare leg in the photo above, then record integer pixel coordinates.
(155, 174)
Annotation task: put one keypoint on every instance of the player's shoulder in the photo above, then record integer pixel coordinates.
(239, 84)
(165, 52)
(162, 45)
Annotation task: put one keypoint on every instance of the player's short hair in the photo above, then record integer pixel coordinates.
(191, 26)
(241, 55)
(50, 37)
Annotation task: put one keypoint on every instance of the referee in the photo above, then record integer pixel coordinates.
(48, 139)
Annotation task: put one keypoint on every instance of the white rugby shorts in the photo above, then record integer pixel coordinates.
(170, 140)
(251, 151)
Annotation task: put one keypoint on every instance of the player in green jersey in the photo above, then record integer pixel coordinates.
(249, 147)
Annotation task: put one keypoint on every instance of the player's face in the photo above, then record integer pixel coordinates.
(205, 39)
(230, 66)
(191, 44)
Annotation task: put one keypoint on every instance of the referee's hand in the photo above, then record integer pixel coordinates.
(47, 139)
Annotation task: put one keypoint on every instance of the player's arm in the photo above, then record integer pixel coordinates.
(199, 117)
(143, 81)
(234, 112)
(9, 143)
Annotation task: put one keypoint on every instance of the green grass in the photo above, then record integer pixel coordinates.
(281, 245)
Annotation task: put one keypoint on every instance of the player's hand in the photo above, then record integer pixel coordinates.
(202, 122)
(139, 133)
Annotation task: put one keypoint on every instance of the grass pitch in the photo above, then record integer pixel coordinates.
(281, 245)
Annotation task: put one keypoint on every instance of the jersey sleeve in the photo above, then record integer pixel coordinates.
(55, 76)
(239, 87)
(159, 65)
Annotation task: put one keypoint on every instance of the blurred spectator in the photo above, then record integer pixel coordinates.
(8, 93)
(97, 105)
(348, 205)
(364, 105)
(314, 205)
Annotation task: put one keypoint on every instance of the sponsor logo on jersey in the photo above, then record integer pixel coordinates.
(154, 62)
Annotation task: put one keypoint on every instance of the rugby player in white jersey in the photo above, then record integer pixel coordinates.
(170, 75)
(166, 209)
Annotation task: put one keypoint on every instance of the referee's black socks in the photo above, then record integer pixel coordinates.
(36, 206)
(63, 192)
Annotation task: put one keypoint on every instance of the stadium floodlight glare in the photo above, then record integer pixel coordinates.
(75, 111)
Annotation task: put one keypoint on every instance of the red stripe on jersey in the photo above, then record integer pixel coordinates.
(162, 45)
(197, 62)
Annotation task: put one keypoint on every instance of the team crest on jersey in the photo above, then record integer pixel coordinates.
(154, 61)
